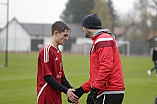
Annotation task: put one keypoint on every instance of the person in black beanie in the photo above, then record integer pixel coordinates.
(106, 82)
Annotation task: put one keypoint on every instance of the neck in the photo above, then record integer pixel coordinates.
(53, 42)
(93, 32)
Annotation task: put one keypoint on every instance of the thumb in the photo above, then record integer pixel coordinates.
(73, 90)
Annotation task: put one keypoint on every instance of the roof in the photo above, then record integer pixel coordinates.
(45, 29)
(38, 29)
(76, 30)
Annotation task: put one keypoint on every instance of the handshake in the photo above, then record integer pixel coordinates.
(91, 96)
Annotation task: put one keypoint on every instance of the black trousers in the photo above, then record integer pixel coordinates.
(155, 67)
(110, 99)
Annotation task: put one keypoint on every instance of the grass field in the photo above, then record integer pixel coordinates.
(18, 80)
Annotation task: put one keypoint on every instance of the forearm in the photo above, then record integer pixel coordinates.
(55, 84)
(66, 83)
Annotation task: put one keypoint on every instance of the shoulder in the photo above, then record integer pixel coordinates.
(103, 37)
(46, 52)
(44, 49)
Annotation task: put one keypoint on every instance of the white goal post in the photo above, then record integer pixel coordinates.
(127, 43)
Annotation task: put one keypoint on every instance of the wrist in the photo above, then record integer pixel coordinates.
(79, 92)
(65, 90)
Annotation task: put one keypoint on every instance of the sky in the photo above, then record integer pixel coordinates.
(45, 11)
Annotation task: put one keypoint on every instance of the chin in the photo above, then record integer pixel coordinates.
(87, 37)
(62, 44)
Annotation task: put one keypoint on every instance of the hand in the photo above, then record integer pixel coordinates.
(77, 102)
(74, 102)
(92, 96)
(71, 96)
(79, 92)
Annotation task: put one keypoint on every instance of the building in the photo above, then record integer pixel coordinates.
(18, 38)
(28, 37)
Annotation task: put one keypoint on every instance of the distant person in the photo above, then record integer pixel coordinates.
(154, 58)
(106, 82)
(155, 100)
(51, 80)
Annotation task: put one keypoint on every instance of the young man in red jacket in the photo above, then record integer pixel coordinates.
(106, 82)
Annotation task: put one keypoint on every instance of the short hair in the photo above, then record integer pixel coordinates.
(59, 26)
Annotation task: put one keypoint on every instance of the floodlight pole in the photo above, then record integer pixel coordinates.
(7, 28)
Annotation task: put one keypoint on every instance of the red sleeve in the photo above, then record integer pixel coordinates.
(46, 69)
(105, 56)
(46, 66)
(86, 86)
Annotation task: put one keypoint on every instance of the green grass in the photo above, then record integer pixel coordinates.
(18, 80)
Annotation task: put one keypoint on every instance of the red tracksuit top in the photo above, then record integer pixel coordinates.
(105, 65)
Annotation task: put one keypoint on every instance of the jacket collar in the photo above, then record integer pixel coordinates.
(100, 32)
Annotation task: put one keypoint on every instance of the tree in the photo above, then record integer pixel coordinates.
(147, 17)
(112, 13)
(101, 8)
(153, 16)
(137, 26)
(76, 10)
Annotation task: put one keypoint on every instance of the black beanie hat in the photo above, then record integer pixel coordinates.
(91, 21)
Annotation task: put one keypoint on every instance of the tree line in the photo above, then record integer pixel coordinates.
(138, 23)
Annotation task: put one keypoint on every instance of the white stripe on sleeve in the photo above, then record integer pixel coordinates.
(103, 39)
(46, 53)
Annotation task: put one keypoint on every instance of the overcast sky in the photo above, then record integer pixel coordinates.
(45, 11)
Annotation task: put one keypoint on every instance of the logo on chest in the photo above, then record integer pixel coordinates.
(59, 75)
(56, 58)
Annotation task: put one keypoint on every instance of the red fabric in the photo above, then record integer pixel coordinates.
(49, 63)
(105, 65)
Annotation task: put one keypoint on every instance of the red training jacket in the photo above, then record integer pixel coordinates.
(105, 65)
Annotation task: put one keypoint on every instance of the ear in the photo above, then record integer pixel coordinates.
(56, 32)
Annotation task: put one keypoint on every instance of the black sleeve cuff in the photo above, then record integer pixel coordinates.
(64, 89)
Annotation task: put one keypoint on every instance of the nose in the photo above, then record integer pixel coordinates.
(83, 29)
(66, 38)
